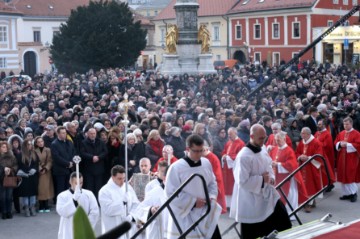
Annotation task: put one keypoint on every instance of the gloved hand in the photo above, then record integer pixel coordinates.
(129, 218)
(77, 193)
(32, 172)
(22, 174)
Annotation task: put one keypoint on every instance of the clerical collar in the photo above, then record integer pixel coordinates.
(253, 148)
(283, 147)
(192, 163)
(161, 183)
(350, 130)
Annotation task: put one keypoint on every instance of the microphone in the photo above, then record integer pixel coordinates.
(116, 232)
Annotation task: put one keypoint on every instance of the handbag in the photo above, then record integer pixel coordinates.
(11, 181)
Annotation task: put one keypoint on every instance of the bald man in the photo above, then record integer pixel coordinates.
(256, 204)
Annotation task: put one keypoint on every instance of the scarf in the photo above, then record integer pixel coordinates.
(157, 146)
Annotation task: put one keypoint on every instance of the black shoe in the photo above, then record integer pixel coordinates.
(3, 216)
(329, 188)
(345, 197)
(9, 215)
(353, 197)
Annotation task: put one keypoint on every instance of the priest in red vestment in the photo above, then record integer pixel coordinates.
(284, 163)
(215, 163)
(168, 155)
(231, 149)
(324, 137)
(311, 173)
(347, 143)
(271, 143)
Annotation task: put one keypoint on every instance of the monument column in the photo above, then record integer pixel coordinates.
(188, 47)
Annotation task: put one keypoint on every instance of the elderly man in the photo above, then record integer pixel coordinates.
(271, 143)
(93, 153)
(139, 180)
(256, 203)
(167, 155)
(347, 144)
(114, 199)
(311, 173)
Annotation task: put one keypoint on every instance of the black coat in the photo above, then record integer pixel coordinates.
(62, 153)
(29, 185)
(90, 149)
(178, 145)
(309, 122)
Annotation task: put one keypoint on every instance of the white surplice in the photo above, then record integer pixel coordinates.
(113, 210)
(250, 202)
(66, 208)
(183, 204)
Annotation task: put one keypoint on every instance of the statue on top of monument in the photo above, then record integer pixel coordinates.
(204, 38)
(172, 36)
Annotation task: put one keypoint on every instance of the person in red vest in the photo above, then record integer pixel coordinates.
(284, 163)
(231, 149)
(167, 154)
(324, 137)
(215, 163)
(271, 143)
(347, 143)
(311, 173)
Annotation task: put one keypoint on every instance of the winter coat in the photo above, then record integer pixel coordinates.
(46, 186)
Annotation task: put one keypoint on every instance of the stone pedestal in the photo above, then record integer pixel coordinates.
(170, 64)
(206, 65)
(189, 58)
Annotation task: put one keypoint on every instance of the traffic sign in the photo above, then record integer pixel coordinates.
(346, 44)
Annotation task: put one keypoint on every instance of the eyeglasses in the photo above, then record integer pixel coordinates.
(197, 151)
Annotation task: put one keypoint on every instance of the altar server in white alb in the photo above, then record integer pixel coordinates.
(255, 202)
(114, 199)
(155, 197)
(190, 204)
(67, 203)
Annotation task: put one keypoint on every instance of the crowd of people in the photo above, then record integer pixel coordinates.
(308, 109)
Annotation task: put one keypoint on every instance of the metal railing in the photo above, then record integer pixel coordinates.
(167, 205)
(291, 175)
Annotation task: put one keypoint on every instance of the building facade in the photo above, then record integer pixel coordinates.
(273, 30)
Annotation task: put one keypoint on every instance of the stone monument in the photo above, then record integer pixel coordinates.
(192, 46)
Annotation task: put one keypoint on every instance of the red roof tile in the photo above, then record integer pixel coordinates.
(58, 8)
(206, 8)
(8, 9)
(256, 5)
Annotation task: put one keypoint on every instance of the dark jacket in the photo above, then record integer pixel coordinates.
(88, 150)
(63, 153)
(29, 185)
(178, 145)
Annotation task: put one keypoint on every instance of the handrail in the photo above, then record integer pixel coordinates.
(167, 205)
(278, 187)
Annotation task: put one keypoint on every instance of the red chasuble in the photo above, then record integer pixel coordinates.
(348, 167)
(311, 174)
(231, 148)
(271, 140)
(325, 139)
(287, 158)
(215, 163)
(172, 160)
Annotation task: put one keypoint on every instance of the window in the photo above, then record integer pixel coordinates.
(294, 54)
(346, 2)
(336, 1)
(257, 56)
(37, 36)
(155, 13)
(257, 31)
(216, 33)
(3, 34)
(330, 23)
(354, 2)
(218, 57)
(276, 30)
(162, 31)
(276, 58)
(296, 30)
(238, 29)
(2, 62)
